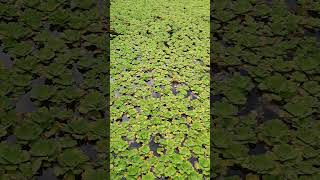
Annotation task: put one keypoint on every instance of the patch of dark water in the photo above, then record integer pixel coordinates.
(77, 76)
(270, 112)
(125, 118)
(156, 95)
(101, 5)
(33, 44)
(312, 33)
(76, 113)
(6, 60)
(47, 174)
(235, 171)
(154, 146)
(220, 76)
(188, 125)
(217, 98)
(193, 161)
(243, 72)
(184, 139)
(12, 139)
(257, 149)
(134, 145)
(174, 91)
(315, 116)
(192, 95)
(150, 82)
(24, 104)
(184, 115)
(90, 151)
(138, 109)
(56, 30)
(252, 103)
(291, 5)
(38, 81)
(174, 86)
(314, 14)
(91, 48)
(268, 2)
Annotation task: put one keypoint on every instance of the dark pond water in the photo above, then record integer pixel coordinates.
(292, 5)
(156, 95)
(6, 60)
(257, 149)
(193, 161)
(90, 151)
(11, 139)
(77, 76)
(270, 112)
(134, 145)
(236, 171)
(25, 105)
(154, 146)
(253, 101)
(125, 118)
(47, 174)
(38, 81)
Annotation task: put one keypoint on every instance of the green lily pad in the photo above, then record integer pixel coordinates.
(28, 131)
(44, 147)
(72, 158)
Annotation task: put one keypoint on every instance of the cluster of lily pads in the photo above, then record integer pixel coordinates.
(53, 90)
(160, 105)
(265, 80)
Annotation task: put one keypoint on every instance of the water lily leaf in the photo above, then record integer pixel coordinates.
(42, 92)
(78, 126)
(43, 147)
(43, 117)
(148, 176)
(95, 174)
(56, 44)
(32, 17)
(19, 30)
(71, 35)
(224, 109)
(308, 64)
(21, 49)
(78, 21)
(45, 54)
(133, 170)
(48, 5)
(84, 4)
(285, 152)
(13, 154)
(92, 102)
(260, 163)
(72, 158)
(28, 131)
(100, 128)
(59, 17)
(67, 142)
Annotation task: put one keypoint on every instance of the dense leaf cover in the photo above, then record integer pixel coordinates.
(160, 89)
(53, 90)
(265, 80)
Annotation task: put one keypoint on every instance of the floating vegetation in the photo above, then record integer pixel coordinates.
(266, 64)
(160, 89)
(53, 90)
